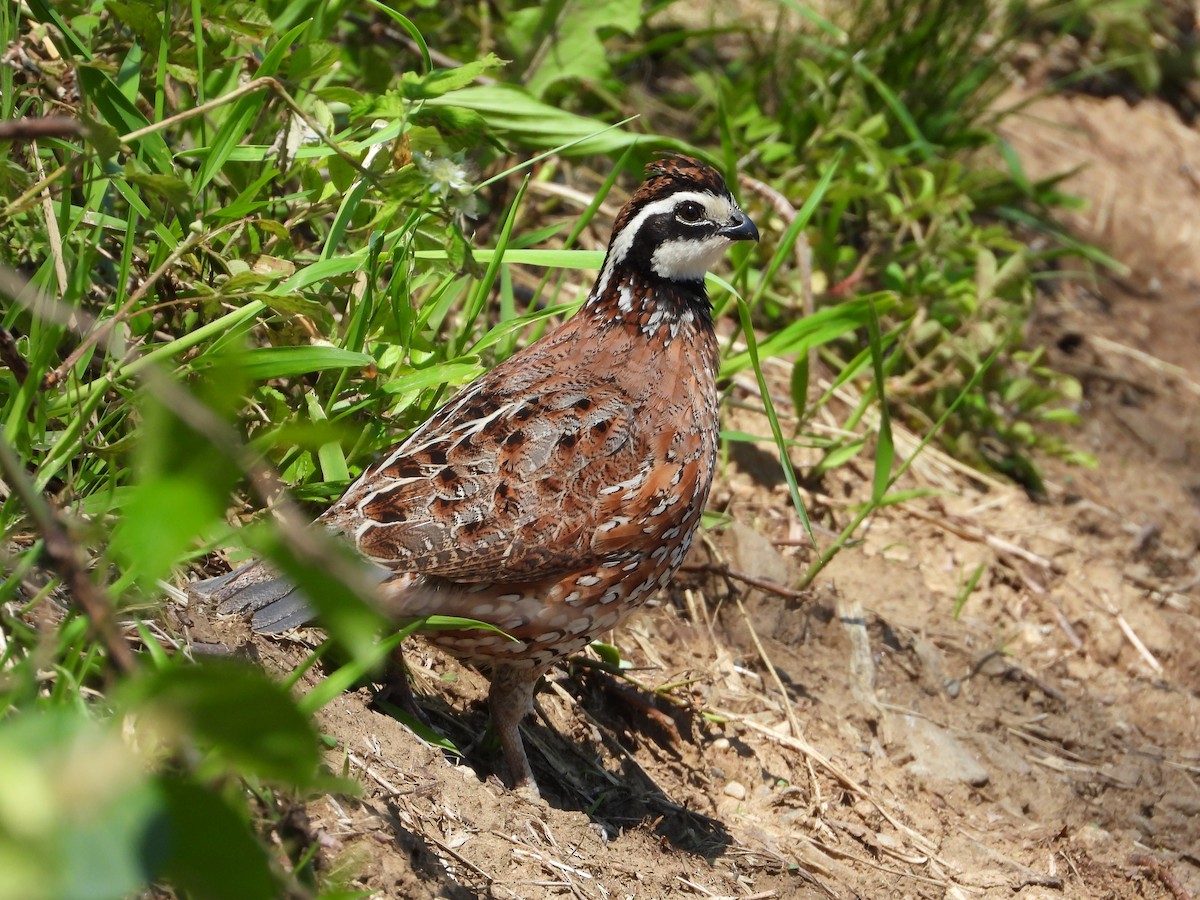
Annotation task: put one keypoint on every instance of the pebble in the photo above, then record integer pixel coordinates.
(934, 752)
(736, 790)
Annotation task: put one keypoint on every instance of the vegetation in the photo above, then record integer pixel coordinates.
(271, 238)
(1128, 48)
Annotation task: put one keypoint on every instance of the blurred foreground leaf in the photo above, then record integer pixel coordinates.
(244, 721)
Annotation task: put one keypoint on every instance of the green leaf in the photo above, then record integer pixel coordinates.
(263, 363)
(453, 623)
(310, 60)
(102, 137)
(172, 475)
(168, 186)
(457, 371)
(336, 581)
(607, 653)
(966, 590)
(821, 327)
(78, 814)
(212, 852)
(245, 111)
(885, 451)
(799, 386)
(420, 729)
(139, 17)
(898, 498)
(514, 115)
(333, 460)
(442, 81)
(551, 259)
(114, 109)
(149, 542)
(246, 722)
(113, 851)
(475, 304)
(839, 456)
(369, 659)
(785, 461)
(574, 49)
(407, 24)
(351, 673)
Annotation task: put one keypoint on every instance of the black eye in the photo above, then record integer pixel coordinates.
(690, 212)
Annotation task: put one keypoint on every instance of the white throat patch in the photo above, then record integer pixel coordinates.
(688, 260)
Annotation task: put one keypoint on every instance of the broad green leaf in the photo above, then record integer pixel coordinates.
(442, 81)
(78, 811)
(574, 48)
(245, 722)
(336, 582)
(212, 852)
(148, 542)
(311, 59)
(177, 471)
(515, 115)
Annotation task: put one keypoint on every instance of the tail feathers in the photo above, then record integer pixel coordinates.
(276, 603)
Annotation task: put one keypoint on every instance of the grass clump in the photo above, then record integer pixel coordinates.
(1125, 48)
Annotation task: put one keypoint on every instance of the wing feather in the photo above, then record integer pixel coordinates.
(504, 495)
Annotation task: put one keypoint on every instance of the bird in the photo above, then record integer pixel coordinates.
(556, 493)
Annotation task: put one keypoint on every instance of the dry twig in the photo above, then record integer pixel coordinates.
(65, 558)
(1163, 874)
(762, 584)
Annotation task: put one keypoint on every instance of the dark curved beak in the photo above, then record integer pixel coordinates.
(740, 229)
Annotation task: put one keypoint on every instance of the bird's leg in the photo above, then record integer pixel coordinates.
(511, 699)
(397, 690)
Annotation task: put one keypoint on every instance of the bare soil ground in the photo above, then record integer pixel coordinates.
(860, 741)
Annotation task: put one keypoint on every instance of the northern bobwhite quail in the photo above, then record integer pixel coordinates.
(552, 496)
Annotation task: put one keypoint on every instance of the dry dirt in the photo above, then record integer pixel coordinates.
(860, 741)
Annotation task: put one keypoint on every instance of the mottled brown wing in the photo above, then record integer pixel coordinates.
(501, 486)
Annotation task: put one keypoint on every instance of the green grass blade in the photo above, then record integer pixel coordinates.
(244, 111)
(885, 447)
(785, 460)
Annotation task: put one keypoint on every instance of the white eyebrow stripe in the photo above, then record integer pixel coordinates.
(624, 240)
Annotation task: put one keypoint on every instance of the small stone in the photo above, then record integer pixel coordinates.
(721, 744)
(736, 790)
(933, 752)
